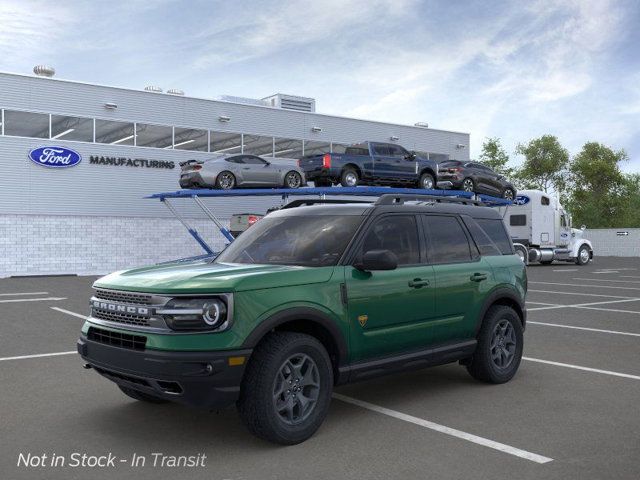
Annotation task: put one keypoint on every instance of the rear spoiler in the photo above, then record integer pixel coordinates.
(190, 162)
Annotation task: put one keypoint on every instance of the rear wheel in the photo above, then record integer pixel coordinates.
(292, 180)
(426, 182)
(508, 194)
(141, 396)
(225, 180)
(468, 185)
(584, 255)
(349, 178)
(499, 350)
(286, 390)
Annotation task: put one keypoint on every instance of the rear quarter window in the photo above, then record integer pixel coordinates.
(495, 230)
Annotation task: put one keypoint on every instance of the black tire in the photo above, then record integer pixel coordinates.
(468, 185)
(583, 258)
(322, 182)
(427, 182)
(522, 252)
(258, 397)
(346, 178)
(509, 194)
(482, 365)
(141, 396)
(292, 180)
(225, 180)
(546, 262)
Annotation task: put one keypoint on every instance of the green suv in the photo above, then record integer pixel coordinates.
(313, 297)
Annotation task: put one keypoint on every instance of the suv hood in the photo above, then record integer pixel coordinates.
(203, 277)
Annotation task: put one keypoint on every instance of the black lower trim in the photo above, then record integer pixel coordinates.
(199, 379)
(437, 355)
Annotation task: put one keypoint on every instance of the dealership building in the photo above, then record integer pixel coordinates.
(92, 217)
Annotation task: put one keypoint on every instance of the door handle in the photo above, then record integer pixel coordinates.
(418, 283)
(246, 168)
(478, 277)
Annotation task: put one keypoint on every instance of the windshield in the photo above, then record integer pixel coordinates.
(314, 241)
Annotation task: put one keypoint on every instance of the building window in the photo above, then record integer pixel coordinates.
(114, 133)
(287, 148)
(26, 124)
(316, 148)
(258, 145)
(190, 139)
(226, 143)
(157, 136)
(72, 128)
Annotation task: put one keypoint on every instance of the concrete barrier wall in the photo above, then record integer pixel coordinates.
(614, 242)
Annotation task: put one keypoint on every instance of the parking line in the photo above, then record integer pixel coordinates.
(73, 314)
(22, 293)
(567, 270)
(48, 299)
(629, 276)
(580, 294)
(540, 303)
(584, 328)
(39, 355)
(579, 367)
(485, 442)
(604, 280)
(607, 309)
(590, 286)
(587, 305)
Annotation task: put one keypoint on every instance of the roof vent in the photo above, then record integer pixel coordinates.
(153, 88)
(175, 91)
(44, 71)
(422, 124)
(292, 102)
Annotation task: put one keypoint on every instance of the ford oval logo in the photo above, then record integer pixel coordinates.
(521, 200)
(55, 157)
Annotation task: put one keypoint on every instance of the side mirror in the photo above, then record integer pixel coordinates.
(410, 156)
(583, 227)
(377, 260)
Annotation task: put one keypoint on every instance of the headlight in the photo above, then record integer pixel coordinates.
(196, 314)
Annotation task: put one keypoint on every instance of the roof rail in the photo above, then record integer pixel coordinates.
(320, 201)
(391, 199)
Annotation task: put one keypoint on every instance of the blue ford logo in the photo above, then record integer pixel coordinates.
(521, 200)
(55, 157)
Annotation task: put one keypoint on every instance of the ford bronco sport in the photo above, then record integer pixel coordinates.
(310, 298)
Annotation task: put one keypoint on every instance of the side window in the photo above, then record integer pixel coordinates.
(382, 150)
(517, 220)
(484, 243)
(494, 228)
(253, 160)
(563, 221)
(398, 234)
(235, 159)
(447, 240)
(545, 200)
(396, 151)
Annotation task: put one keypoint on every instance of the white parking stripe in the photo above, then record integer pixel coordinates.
(579, 367)
(40, 355)
(552, 307)
(47, 299)
(607, 309)
(590, 286)
(540, 303)
(580, 294)
(629, 276)
(566, 270)
(584, 328)
(604, 280)
(22, 293)
(73, 314)
(586, 305)
(485, 442)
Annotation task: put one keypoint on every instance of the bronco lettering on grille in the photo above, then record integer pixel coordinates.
(114, 307)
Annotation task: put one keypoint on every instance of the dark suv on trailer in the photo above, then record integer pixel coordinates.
(309, 298)
(476, 177)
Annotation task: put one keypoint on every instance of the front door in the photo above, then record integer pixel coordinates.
(257, 171)
(390, 311)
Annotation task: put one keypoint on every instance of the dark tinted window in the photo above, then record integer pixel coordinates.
(494, 228)
(447, 240)
(381, 149)
(357, 151)
(235, 159)
(544, 200)
(397, 151)
(517, 220)
(485, 245)
(313, 241)
(397, 233)
(250, 159)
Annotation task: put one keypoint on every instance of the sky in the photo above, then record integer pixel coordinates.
(514, 70)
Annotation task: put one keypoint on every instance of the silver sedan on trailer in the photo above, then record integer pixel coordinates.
(240, 170)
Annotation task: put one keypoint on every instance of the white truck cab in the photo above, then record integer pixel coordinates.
(540, 229)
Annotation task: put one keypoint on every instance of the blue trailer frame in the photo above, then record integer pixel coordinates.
(197, 194)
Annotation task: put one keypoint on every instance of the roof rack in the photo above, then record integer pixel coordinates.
(391, 199)
(319, 201)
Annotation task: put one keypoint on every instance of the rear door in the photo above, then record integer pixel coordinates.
(390, 311)
(462, 278)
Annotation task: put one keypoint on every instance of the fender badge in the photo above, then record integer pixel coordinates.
(362, 319)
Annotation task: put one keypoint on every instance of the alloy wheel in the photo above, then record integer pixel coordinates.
(508, 194)
(351, 179)
(226, 181)
(293, 180)
(427, 183)
(296, 389)
(503, 344)
(467, 185)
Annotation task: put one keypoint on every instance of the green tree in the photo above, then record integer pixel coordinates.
(495, 157)
(545, 164)
(631, 217)
(600, 194)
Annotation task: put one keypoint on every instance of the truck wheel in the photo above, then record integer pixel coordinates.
(426, 181)
(522, 252)
(468, 185)
(499, 350)
(583, 255)
(141, 396)
(225, 180)
(286, 389)
(349, 178)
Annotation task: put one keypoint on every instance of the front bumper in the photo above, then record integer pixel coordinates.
(197, 379)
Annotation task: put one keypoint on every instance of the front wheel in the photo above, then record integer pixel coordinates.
(286, 390)
(426, 182)
(584, 256)
(499, 350)
(293, 180)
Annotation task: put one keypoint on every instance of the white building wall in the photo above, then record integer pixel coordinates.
(612, 242)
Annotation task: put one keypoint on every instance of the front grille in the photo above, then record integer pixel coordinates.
(124, 297)
(117, 339)
(126, 318)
